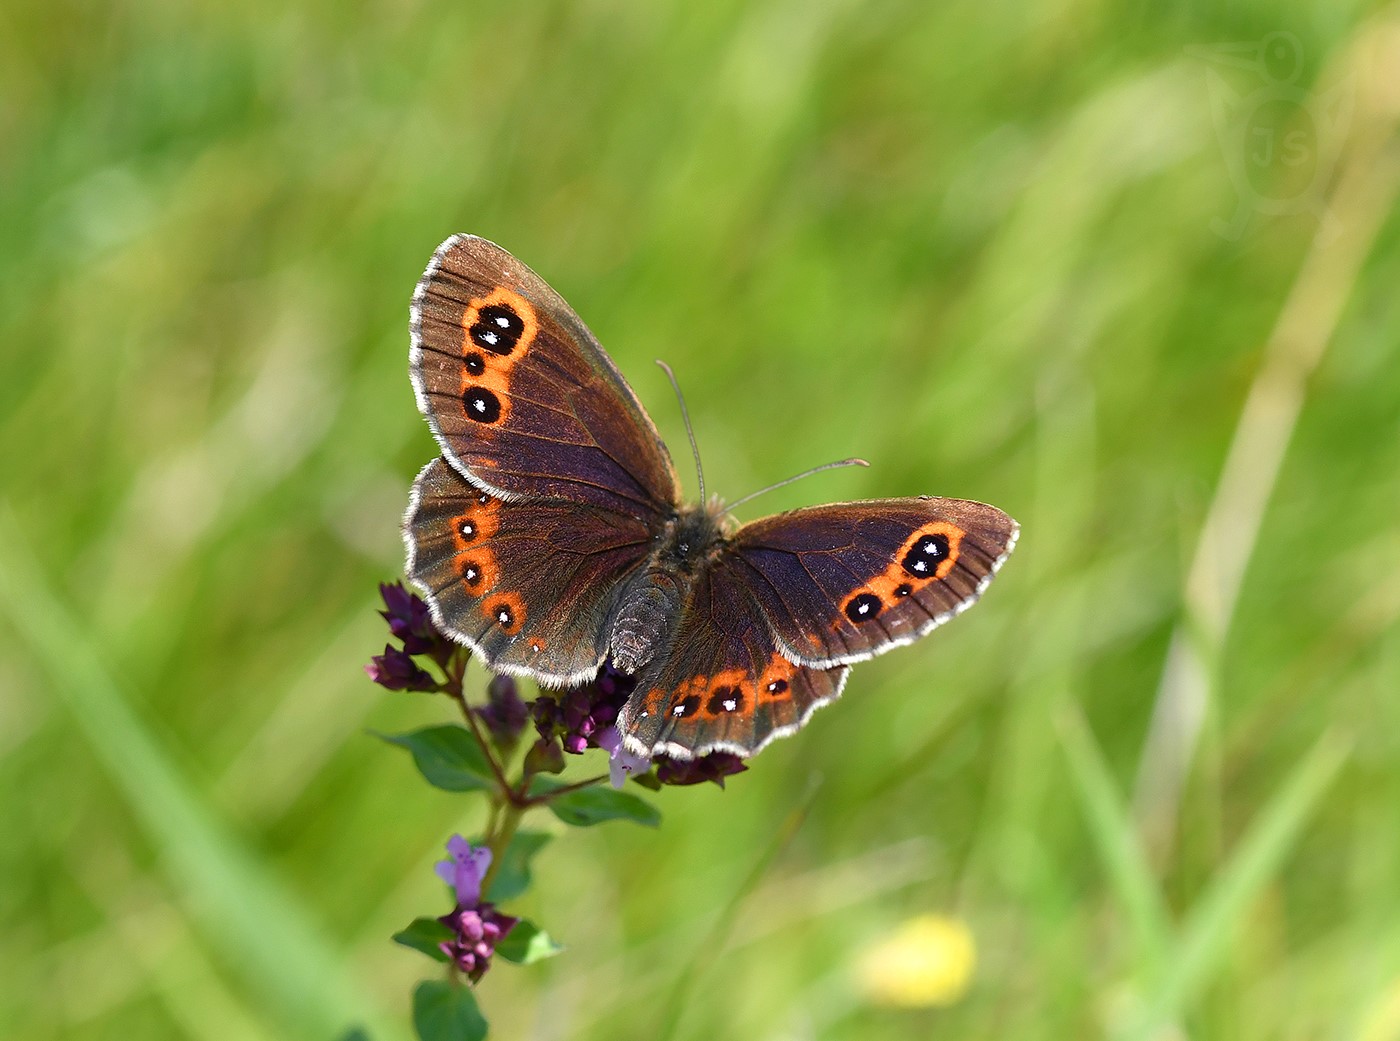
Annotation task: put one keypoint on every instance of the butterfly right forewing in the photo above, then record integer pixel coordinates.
(843, 582)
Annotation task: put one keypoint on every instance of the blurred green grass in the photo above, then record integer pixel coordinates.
(972, 246)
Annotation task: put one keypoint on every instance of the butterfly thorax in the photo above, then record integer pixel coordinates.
(651, 600)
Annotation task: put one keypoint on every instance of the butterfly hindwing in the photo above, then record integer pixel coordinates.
(520, 395)
(528, 585)
(843, 582)
(722, 686)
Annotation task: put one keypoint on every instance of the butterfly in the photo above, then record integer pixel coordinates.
(550, 536)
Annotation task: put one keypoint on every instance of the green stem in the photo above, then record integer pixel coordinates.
(498, 840)
(544, 797)
(453, 689)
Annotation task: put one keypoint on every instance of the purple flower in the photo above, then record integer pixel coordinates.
(464, 869)
(409, 619)
(504, 714)
(396, 670)
(713, 767)
(622, 763)
(411, 623)
(476, 926)
(478, 930)
(578, 716)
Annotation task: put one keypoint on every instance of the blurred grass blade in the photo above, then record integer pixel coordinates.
(246, 912)
(709, 949)
(1205, 940)
(1116, 837)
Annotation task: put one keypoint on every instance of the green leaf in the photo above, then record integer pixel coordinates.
(527, 943)
(448, 756)
(584, 807)
(444, 1011)
(424, 934)
(513, 876)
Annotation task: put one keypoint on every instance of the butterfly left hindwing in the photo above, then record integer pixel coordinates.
(527, 585)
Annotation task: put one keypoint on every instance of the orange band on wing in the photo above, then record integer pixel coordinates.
(506, 610)
(477, 523)
(497, 331)
(728, 692)
(926, 556)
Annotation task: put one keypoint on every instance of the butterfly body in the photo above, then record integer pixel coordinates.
(551, 537)
(649, 604)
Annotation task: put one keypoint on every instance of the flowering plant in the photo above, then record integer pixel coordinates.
(487, 753)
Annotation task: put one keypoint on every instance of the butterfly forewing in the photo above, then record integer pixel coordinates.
(841, 583)
(722, 686)
(528, 585)
(519, 394)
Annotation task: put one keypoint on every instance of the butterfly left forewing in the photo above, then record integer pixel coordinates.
(520, 395)
(841, 583)
(527, 585)
(722, 686)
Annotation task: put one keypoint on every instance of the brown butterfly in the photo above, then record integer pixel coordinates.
(550, 536)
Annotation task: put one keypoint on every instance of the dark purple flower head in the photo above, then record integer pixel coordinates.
(464, 868)
(504, 714)
(477, 931)
(579, 716)
(713, 767)
(411, 622)
(396, 670)
(409, 619)
(476, 926)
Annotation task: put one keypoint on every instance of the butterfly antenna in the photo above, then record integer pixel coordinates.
(796, 477)
(690, 431)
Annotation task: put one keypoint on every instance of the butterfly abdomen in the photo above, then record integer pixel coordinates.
(645, 614)
(650, 603)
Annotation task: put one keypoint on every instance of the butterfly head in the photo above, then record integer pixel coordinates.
(692, 538)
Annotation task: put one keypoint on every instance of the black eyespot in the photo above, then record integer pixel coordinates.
(466, 528)
(924, 556)
(475, 363)
(725, 699)
(497, 329)
(777, 687)
(864, 607)
(904, 589)
(687, 707)
(481, 405)
(503, 615)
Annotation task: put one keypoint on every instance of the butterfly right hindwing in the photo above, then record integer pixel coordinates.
(722, 686)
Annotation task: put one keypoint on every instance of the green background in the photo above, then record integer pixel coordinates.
(1155, 771)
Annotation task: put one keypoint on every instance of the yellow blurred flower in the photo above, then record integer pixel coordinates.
(927, 961)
